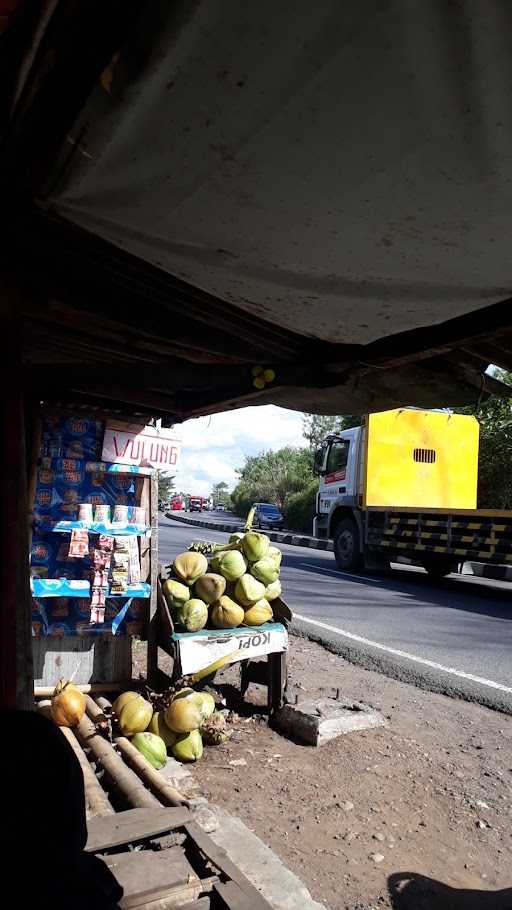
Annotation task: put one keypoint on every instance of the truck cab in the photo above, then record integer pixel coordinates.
(338, 462)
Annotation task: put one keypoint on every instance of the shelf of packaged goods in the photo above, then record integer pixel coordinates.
(66, 587)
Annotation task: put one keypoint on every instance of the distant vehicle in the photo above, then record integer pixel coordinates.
(177, 503)
(197, 504)
(221, 508)
(267, 515)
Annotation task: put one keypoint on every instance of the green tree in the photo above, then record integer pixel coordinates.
(165, 485)
(495, 457)
(315, 427)
(220, 493)
(272, 477)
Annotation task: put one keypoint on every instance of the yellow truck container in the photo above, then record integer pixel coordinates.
(421, 459)
(404, 484)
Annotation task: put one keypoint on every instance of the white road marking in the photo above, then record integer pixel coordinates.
(375, 581)
(395, 651)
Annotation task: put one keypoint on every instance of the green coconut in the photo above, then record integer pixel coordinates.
(210, 587)
(207, 704)
(152, 747)
(265, 570)
(232, 565)
(188, 710)
(248, 590)
(158, 726)
(273, 590)
(194, 615)
(188, 746)
(255, 545)
(275, 554)
(175, 593)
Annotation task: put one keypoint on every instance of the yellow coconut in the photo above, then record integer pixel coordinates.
(259, 613)
(226, 614)
(158, 726)
(190, 566)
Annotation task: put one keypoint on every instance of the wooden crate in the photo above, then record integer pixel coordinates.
(85, 660)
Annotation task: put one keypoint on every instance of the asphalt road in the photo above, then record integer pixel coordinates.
(452, 636)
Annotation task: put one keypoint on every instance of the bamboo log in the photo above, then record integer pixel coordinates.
(96, 798)
(95, 795)
(129, 785)
(96, 714)
(165, 792)
(47, 691)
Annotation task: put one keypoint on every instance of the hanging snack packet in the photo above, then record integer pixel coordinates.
(121, 545)
(97, 605)
(78, 545)
(119, 573)
(101, 559)
(106, 542)
(100, 578)
(133, 561)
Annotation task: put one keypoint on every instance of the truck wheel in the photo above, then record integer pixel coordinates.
(346, 546)
(439, 567)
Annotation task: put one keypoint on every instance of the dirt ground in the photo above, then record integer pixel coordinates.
(392, 817)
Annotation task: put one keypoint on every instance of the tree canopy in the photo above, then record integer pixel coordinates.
(315, 427)
(495, 457)
(165, 485)
(220, 493)
(272, 477)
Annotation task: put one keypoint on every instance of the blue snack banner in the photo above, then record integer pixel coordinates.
(70, 473)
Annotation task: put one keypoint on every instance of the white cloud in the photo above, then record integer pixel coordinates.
(213, 447)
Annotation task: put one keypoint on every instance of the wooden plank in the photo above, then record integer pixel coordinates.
(105, 832)
(121, 686)
(150, 876)
(85, 660)
(233, 898)
(219, 857)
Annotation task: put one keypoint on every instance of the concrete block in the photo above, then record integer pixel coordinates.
(317, 721)
(277, 884)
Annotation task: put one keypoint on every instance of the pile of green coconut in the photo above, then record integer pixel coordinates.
(235, 588)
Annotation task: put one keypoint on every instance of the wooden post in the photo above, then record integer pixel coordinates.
(277, 681)
(16, 673)
(152, 658)
(33, 446)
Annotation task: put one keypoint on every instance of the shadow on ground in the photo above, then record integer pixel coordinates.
(410, 891)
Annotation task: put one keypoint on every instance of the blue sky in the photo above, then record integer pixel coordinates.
(214, 446)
